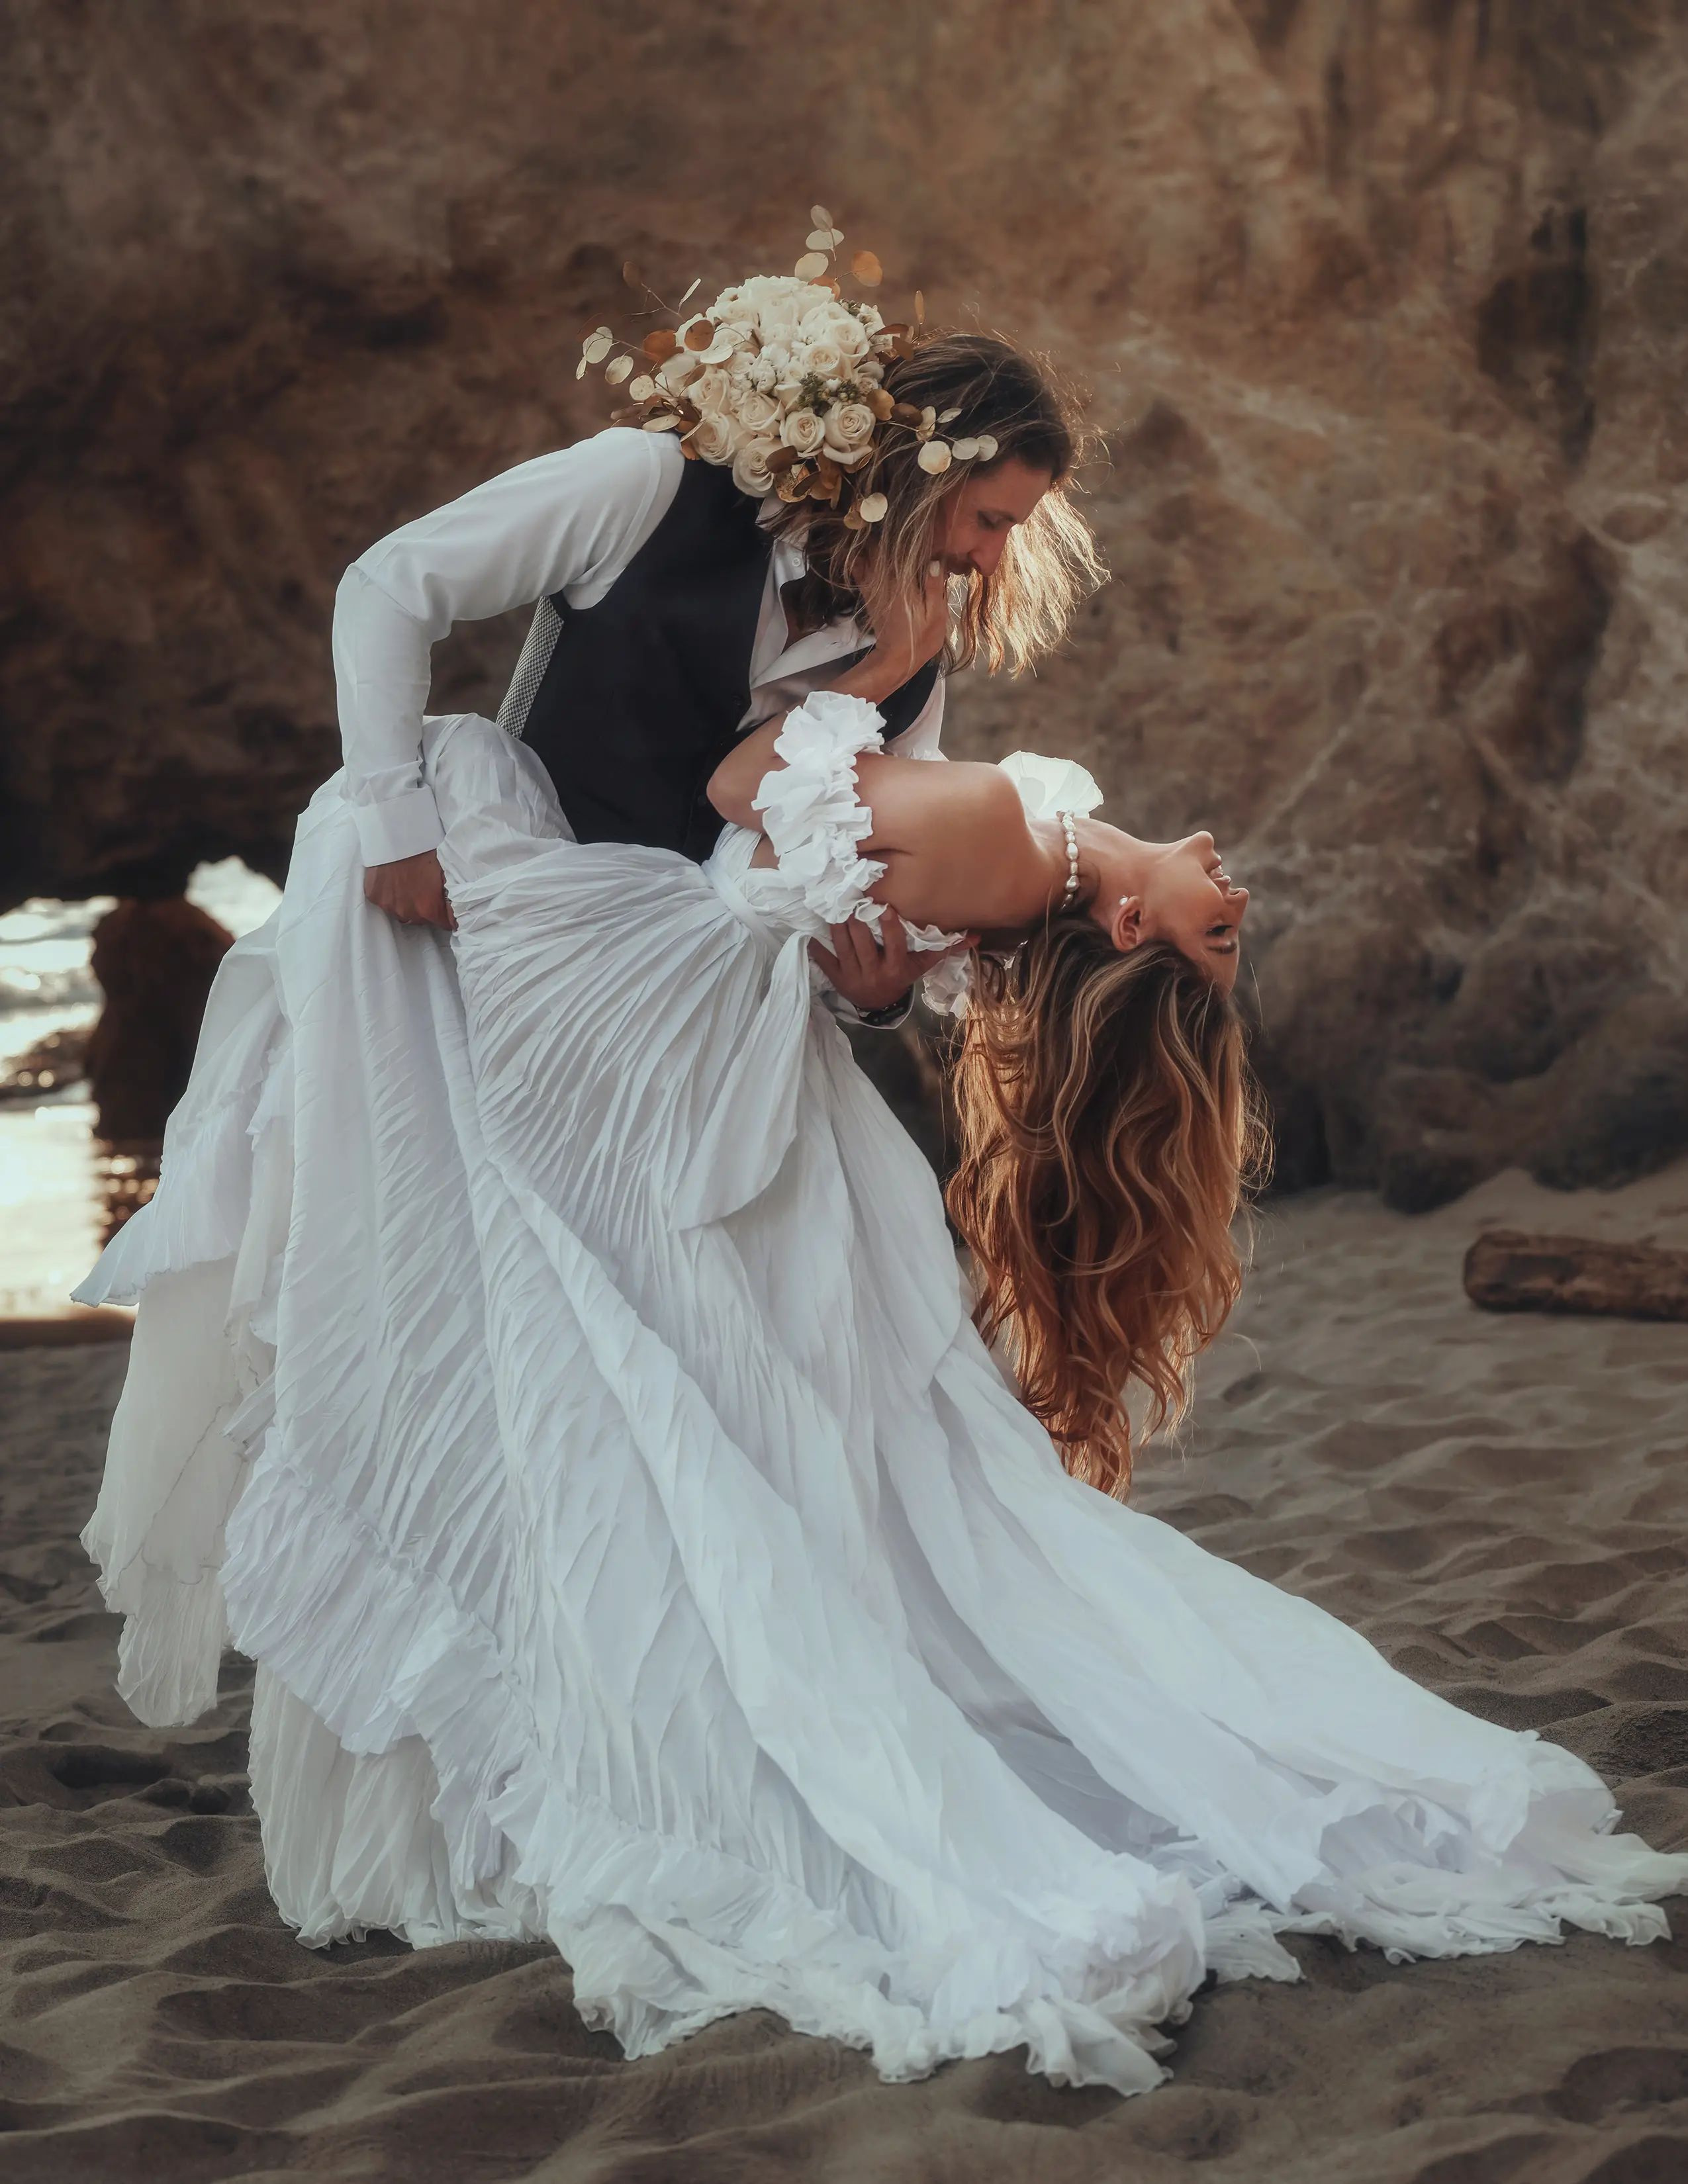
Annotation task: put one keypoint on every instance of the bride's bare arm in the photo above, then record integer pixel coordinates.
(953, 837)
(733, 784)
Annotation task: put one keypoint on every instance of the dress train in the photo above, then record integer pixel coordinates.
(551, 1369)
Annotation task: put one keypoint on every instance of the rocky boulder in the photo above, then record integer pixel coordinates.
(155, 962)
(1383, 309)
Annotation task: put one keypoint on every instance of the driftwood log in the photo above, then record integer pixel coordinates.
(1508, 1271)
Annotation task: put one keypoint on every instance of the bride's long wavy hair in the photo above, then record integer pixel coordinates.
(1110, 1130)
(1050, 563)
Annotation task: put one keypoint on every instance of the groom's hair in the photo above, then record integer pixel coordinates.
(1050, 563)
(1109, 1130)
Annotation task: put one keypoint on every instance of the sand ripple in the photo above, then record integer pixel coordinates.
(1501, 1505)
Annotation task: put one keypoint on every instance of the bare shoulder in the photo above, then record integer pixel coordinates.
(919, 803)
(955, 841)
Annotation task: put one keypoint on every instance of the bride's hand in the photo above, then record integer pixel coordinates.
(906, 633)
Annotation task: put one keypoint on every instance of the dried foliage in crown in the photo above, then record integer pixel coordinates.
(782, 378)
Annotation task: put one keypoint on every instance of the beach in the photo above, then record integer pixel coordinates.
(61, 1190)
(1497, 1502)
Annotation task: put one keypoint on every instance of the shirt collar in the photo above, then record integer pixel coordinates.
(775, 659)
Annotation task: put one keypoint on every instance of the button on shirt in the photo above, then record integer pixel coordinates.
(568, 522)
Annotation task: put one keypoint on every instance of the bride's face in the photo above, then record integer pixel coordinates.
(1176, 891)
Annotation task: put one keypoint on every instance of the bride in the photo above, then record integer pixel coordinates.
(552, 1369)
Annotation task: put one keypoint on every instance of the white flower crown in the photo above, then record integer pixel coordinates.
(781, 379)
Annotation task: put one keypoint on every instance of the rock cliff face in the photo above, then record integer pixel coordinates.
(1384, 308)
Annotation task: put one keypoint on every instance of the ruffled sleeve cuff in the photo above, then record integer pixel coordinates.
(946, 990)
(1049, 786)
(811, 811)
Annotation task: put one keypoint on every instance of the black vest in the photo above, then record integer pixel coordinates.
(643, 694)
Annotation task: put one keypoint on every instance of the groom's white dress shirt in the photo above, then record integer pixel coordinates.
(569, 522)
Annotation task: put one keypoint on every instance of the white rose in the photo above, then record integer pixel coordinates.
(716, 439)
(850, 425)
(677, 370)
(869, 372)
(761, 374)
(824, 359)
(850, 339)
(709, 390)
(803, 430)
(765, 290)
(733, 308)
(870, 318)
(757, 412)
(751, 472)
(826, 328)
(778, 320)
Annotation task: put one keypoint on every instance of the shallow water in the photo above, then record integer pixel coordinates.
(56, 1183)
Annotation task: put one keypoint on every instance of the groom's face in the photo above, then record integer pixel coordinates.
(979, 515)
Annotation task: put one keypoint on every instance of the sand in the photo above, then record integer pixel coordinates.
(1498, 1503)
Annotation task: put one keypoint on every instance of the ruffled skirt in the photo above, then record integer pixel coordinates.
(551, 1369)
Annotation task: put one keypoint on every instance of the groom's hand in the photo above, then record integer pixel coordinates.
(412, 889)
(873, 976)
(906, 634)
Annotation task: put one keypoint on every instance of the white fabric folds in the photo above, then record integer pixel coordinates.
(814, 819)
(552, 1369)
(1048, 787)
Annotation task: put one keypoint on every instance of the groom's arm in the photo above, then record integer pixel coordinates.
(566, 522)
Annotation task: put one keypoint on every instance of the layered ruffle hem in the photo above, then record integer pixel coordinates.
(551, 1369)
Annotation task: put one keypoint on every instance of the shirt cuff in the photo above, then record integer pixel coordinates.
(402, 825)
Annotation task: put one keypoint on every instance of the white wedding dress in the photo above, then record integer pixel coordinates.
(552, 1369)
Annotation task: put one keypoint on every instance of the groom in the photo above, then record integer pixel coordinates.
(661, 634)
